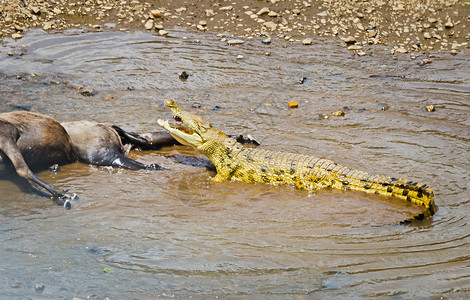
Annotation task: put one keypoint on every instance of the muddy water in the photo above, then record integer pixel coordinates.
(174, 234)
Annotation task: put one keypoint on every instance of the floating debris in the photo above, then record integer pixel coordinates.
(339, 113)
(184, 75)
(293, 104)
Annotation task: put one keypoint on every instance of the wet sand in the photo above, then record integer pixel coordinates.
(403, 26)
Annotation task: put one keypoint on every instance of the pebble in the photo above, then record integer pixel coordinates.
(307, 41)
(240, 57)
(39, 287)
(156, 13)
(430, 108)
(16, 36)
(266, 41)
(235, 42)
(87, 92)
(383, 106)
(148, 25)
(448, 24)
(210, 13)
(349, 40)
(273, 14)
(425, 61)
(401, 50)
(355, 47)
(270, 25)
(162, 32)
(427, 35)
(263, 11)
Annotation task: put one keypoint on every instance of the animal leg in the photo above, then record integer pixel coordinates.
(121, 161)
(10, 149)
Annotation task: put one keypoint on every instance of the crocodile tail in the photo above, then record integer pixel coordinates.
(416, 193)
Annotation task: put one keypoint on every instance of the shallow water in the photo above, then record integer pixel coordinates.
(175, 234)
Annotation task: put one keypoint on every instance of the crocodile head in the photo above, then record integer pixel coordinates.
(194, 131)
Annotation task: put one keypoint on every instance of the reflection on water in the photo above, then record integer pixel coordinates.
(174, 233)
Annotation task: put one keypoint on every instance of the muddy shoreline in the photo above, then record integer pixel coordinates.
(402, 26)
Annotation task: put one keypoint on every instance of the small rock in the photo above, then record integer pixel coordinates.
(196, 105)
(57, 11)
(293, 104)
(401, 50)
(263, 11)
(156, 13)
(35, 10)
(430, 108)
(16, 36)
(210, 13)
(270, 25)
(87, 92)
(235, 42)
(240, 57)
(372, 33)
(148, 25)
(427, 35)
(383, 106)
(361, 53)
(449, 24)
(273, 14)
(432, 20)
(39, 287)
(203, 23)
(307, 41)
(425, 61)
(180, 9)
(10, 53)
(349, 40)
(302, 80)
(158, 27)
(162, 32)
(201, 28)
(355, 47)
(226, 8)
(266, 41)
(18, 27)
(296, 11)
(47, 25)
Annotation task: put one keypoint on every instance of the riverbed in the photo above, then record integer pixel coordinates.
(175, 234)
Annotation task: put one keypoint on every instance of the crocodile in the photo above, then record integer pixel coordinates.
(234, 161)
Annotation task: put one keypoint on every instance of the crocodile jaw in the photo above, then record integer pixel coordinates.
(181, 134)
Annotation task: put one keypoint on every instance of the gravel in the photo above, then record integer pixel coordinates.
(403, 26)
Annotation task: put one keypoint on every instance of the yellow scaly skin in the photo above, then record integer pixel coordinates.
(233, 161)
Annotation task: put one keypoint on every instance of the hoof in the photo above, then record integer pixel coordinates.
(67, 204)
(155, 167)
